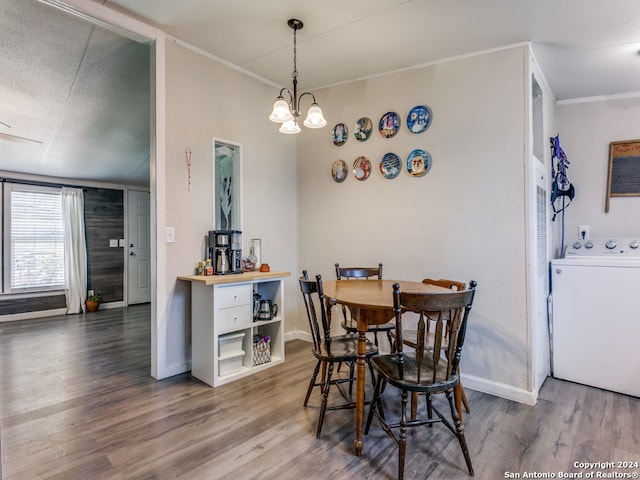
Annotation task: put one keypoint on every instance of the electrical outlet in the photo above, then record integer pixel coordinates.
(583, 232)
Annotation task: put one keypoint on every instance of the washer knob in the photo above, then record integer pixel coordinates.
(634, 244)
(610, 244)
(577, 245)
(589, 244)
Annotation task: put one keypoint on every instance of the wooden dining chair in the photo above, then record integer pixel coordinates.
(349, 322)
(426, 369)
(329, 350)
(409, 339)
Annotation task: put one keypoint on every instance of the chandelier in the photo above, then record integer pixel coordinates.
(287, 113)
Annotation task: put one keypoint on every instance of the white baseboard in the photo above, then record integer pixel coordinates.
(106, 306)
(11, 317)
(173, 370)
(501, 390)
(31, 315)
(297, 335)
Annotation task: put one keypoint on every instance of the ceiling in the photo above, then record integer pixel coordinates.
(84, 92)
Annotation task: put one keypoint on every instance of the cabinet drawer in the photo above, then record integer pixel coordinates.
(232, 296)
(230, 319)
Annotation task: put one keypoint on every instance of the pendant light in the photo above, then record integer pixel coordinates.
(287, 113)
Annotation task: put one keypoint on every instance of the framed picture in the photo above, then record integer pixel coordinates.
(624, 170)
(227, 179)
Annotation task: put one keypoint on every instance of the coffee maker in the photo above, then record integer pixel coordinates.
(225, 251)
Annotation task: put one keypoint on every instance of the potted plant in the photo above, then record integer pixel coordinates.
(93, 302)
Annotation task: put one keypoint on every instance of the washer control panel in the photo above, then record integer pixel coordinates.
(605, 247)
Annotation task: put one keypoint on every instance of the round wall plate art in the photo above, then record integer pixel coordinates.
(339, 171)
(361, 168)
(390, 166)
(419, 119)
(418, 162)
(363, 129)
(389, 124)
(339, 134)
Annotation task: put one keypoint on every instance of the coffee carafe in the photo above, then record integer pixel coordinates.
(267, 310)
(222, 261)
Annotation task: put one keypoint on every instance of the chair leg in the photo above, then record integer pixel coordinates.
(375, 401)
(459, 431)
(429, 408)
(457, 398)
(325, 398)
(402, 438)
(373, 375)
(390, 338)
(463, 395)
(312, 382)
(414, 405)
(352, 377)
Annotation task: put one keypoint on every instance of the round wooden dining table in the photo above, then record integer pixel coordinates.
(371, 303)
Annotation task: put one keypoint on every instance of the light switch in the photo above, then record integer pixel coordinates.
(113, 242)
(171, 234)
(121, 242)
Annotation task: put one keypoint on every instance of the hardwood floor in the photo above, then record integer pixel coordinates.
(77, 402)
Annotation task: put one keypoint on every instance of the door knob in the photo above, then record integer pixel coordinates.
(131, 254)
(131, 245)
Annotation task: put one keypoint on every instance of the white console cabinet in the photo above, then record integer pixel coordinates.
(223, 328)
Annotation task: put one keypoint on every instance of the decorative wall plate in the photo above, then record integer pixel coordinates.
(339, 134)
(390, 166)
(361, 168)
(339, 171)
(389, 124)
(418, 162)
(363, 129)
(419, 119)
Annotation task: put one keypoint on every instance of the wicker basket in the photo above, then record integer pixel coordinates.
(262, 351)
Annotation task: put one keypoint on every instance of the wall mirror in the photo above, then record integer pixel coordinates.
(227, 176)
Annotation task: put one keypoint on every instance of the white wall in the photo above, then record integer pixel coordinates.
(586, 128)
(205, 99)
(463, 220)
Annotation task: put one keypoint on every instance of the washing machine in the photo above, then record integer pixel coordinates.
(595, 314)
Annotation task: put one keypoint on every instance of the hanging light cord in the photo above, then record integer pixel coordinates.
(294, 74)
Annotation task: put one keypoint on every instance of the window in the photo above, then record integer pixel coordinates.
(33, 239)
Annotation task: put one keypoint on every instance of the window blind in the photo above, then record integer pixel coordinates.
(37, 239)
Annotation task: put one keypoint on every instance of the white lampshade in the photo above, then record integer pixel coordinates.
(281, 112)
(290, 127)
(315, 119)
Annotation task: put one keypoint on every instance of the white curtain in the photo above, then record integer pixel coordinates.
(75, 250)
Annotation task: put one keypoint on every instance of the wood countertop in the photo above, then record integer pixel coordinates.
(232, 278)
